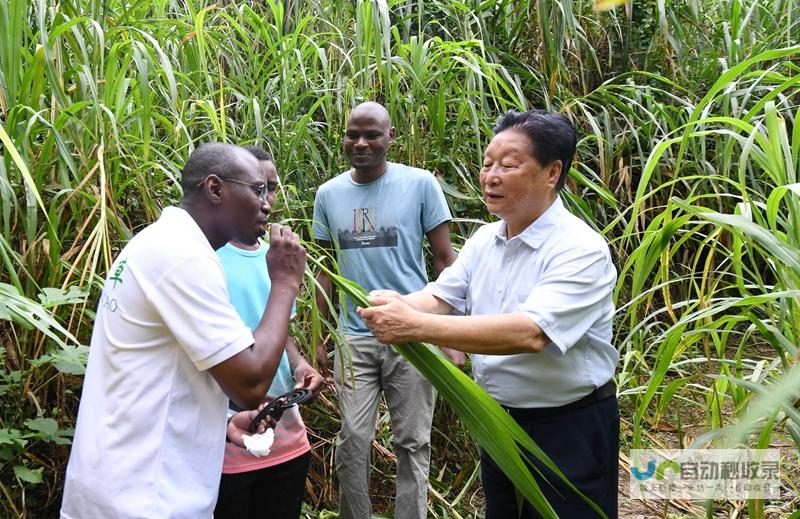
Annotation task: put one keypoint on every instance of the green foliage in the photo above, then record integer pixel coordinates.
(26, 378)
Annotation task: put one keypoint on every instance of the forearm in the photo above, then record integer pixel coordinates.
(502, 334)
(324, 296)
(426, 302)
(248, 375)
(293, 353)
(441, 247)
(305, 376)
(272, 332)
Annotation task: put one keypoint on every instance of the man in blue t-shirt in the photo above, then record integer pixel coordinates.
(374, 217)
(276, 481)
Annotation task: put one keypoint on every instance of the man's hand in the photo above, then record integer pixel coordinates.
(307, 377)
(239, 424)
(388, 301)
(391, 320)
(286, 259)
(458, 357)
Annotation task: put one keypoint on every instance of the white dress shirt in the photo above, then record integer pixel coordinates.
(558, 272)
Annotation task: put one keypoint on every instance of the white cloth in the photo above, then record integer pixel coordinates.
(559, 273)
(151, 426)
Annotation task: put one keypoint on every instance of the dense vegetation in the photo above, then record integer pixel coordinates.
(688, 164)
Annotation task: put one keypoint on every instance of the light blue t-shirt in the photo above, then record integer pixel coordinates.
(378, 229)
(248, 287)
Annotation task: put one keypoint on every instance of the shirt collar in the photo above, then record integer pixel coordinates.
(536, 233)
(178, 214)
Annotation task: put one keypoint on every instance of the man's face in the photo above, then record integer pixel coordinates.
(271, 174)
(367, 140)
(515, 186)
(246, 209)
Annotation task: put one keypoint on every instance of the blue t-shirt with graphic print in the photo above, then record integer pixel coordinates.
(377, 230)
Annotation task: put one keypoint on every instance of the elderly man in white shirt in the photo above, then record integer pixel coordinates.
(531, 297)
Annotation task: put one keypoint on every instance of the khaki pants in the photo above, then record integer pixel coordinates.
(410, 398)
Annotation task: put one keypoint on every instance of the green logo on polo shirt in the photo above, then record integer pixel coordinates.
(117, 277)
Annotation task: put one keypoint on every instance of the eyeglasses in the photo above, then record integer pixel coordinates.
(260, 188)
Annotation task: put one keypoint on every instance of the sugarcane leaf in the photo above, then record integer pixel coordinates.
(491, 426)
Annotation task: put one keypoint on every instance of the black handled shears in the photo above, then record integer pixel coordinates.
(276, 408)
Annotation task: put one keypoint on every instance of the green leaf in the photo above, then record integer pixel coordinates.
(12, 437)
(47, 429)
(5, 315)
(70, 360)
(493, 428)
(23, 168)
(51, 297)
(46, 426)
(32, 476)
(30, 314)
(6, 453)
(780, 250)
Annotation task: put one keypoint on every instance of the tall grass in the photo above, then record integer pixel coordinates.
(688, 163)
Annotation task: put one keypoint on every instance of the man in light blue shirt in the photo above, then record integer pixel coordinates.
(279, 478)
(376, 217)
(533, 298)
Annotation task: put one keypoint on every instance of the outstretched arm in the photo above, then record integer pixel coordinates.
(443, 257)
(246, 376)
(400, 320)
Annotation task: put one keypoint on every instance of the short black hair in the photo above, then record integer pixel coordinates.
(211, 158)
(259, 153)
(552, 135)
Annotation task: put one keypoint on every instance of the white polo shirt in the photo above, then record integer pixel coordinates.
(150, 434)
(558, 272)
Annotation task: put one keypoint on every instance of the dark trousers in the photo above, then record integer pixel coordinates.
(275, 492)
(583, 443)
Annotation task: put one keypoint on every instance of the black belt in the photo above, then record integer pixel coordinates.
(601, 393)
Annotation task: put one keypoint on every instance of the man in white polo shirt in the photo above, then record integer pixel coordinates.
(534, 294)
(168, 349)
